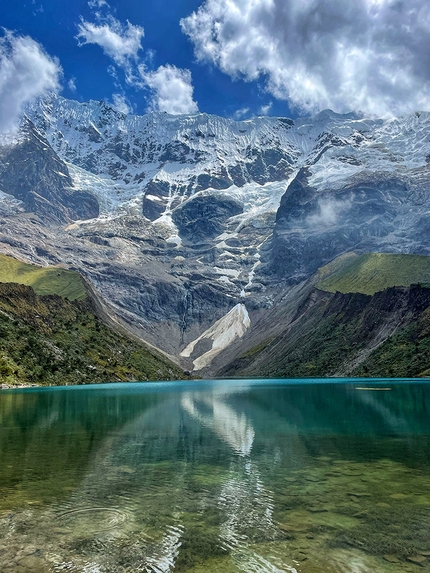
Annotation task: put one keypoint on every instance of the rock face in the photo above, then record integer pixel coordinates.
(204, 216)
(33, 173)
(176, 220)
(313, 227)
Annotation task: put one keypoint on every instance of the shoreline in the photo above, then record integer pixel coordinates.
(13, 386)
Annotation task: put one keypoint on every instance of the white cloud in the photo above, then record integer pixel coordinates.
(241, 113)
(97, 3)
(329, 212)
(121, 104)
(71, 84)
(172, 90)
(265, 109)
(120, 42)
(365, 55)
(26, 73)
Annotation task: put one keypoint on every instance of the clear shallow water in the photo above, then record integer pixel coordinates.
(216, 477)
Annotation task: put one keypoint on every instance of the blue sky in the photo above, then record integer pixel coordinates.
(54, 24)
(235, 58)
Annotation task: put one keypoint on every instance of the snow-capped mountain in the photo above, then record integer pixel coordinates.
(187, 217)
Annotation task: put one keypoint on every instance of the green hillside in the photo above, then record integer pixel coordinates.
(374, 272)
(51, 340)
(44, 280)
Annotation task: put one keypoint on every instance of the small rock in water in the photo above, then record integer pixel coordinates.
(32, 564)
(418, 559)
(391, 559)
(126, 470)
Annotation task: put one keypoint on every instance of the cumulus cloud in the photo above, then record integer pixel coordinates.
(172, 89)
(371, 56)
(120, 42)
(26, 73)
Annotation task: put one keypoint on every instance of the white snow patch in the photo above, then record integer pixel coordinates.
(251, 274)
(227, 272)
(174, 240)
(153, 198)
(225, 330)
(226, 280)
(109, 193)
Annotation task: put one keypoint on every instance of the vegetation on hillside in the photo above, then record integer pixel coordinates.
(405, 354)
(44, 280)
(316, 346)
(51, 340)
(374, 272)
(384, 335)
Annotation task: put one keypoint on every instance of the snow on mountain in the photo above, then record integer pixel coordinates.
(116, 156)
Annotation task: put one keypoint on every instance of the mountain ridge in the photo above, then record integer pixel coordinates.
(198, 214)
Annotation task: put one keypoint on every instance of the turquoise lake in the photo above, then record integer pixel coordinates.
(212, 477)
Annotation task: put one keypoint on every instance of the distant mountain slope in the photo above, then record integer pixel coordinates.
(344, 320)
(387, 334)
(373, 272)
(43, 280)
(55, 330)
(39, 181)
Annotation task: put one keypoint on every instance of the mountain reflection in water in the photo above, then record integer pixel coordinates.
(232, 476)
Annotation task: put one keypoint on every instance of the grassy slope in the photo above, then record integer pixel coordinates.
(374, 272)
(44, 280)
(51, 340)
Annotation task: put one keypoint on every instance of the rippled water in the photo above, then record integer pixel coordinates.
(206, 477)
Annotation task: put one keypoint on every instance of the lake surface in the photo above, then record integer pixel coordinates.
(202, 477)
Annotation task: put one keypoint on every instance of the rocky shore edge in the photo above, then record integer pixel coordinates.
(13, 386)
